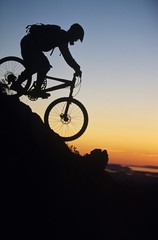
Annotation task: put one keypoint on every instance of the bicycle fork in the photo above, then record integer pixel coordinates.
(65, 117)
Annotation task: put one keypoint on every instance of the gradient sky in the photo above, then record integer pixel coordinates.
(119, 60)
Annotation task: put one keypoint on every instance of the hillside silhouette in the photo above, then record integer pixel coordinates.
(54, 193)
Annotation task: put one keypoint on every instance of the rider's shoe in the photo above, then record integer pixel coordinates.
(39, 94)
(44, 95)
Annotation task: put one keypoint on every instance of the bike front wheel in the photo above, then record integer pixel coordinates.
(71, 127)
(12, 66)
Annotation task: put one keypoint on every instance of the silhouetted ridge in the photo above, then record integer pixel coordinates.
(47, 183)
(53, 193)
(36, 158)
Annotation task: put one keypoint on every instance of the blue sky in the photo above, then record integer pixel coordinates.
(119, 58)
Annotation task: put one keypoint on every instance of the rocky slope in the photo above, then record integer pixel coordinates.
(50, 189)
(53, 193)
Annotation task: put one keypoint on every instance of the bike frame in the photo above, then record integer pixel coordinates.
(64, 83)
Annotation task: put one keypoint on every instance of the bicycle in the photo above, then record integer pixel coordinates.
(66, 116)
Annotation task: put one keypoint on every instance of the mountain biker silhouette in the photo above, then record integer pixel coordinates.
(43, 40)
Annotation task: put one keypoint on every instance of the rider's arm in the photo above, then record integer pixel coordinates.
(69, 59)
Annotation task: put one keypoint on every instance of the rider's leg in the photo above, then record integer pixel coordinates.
(37, 90)
(43, 67)
(35, 63)
(24, 76)
(40, 78)
(16, 85)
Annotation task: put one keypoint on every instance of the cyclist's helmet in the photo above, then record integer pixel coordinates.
(76, 32)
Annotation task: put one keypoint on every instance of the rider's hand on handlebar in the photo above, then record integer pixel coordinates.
(78, 73)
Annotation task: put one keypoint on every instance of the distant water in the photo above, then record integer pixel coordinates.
(144, 169)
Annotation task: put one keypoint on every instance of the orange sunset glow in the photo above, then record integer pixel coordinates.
(118, 59)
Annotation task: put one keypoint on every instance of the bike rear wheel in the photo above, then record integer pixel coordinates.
(12, 66)
(74, 125)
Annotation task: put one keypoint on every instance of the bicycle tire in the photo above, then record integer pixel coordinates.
(75, 126)
(12, 65)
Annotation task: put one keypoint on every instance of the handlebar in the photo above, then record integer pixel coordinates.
(75, 75)
(77, 80)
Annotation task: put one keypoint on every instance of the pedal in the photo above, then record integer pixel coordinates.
(47, 95)
(34, 95)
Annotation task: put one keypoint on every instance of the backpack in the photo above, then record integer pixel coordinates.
(40, 29)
